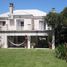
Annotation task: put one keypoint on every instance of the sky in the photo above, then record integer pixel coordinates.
(43, 5)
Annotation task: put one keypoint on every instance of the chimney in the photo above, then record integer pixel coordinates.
(11, 9)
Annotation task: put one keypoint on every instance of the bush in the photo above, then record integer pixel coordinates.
(61, 51)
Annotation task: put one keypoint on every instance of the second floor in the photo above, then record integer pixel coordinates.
(21, 21)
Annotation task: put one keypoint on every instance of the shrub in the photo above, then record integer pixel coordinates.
(61, 51)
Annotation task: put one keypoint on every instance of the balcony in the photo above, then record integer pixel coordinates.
(3, 28)
(20, 29)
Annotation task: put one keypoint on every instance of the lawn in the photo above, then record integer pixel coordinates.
(29, 58)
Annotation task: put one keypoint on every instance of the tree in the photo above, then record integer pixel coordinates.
(64, 24)
(52, 20)
(64, 16)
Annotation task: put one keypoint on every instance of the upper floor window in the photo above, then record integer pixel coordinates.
(22, 23)
(41, 25)
(2, 23)
(11, 22)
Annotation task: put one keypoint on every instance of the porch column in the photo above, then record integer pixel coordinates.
(53, 41)
(28, 41)
(5, 42)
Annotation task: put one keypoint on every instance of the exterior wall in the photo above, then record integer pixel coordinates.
(39, 29)
(11, 27)
(18, 26)
(8, 26)
(36, 24)
(3, 27)
(3, 41)
(25, 33)
(39, 24)
(27, 24)
(5, 35)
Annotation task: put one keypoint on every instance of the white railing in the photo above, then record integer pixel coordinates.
(5, 28)
(20, 28)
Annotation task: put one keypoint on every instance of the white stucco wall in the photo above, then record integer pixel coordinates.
(39, 24)
(36, 24)
(5, 35)
(4, 40)
(11, 27)
(27, 24)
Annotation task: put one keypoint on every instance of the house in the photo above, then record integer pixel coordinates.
(24, 29)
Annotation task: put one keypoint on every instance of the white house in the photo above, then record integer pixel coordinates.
(24, 28)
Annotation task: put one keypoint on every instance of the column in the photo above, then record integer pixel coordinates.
(0, 41)
(5, 45)
(53, 41)
(28, 41)
(32, 24)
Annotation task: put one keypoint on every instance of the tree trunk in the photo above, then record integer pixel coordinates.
(53, 40)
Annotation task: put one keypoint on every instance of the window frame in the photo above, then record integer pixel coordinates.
(12, 22)
(3, 23)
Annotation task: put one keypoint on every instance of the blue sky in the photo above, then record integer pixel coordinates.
(44, 5)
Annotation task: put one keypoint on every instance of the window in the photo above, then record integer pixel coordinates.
(41, 25)
(2, 23)
(0, 38)
(11, 22)
(22, 23)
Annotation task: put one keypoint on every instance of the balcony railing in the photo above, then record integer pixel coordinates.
(5, 28)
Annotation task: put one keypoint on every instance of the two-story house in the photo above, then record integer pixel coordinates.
(23, 28)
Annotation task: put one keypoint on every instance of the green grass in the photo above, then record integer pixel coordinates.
(29, 58)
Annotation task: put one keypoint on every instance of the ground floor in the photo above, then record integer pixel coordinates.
(25, 40)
